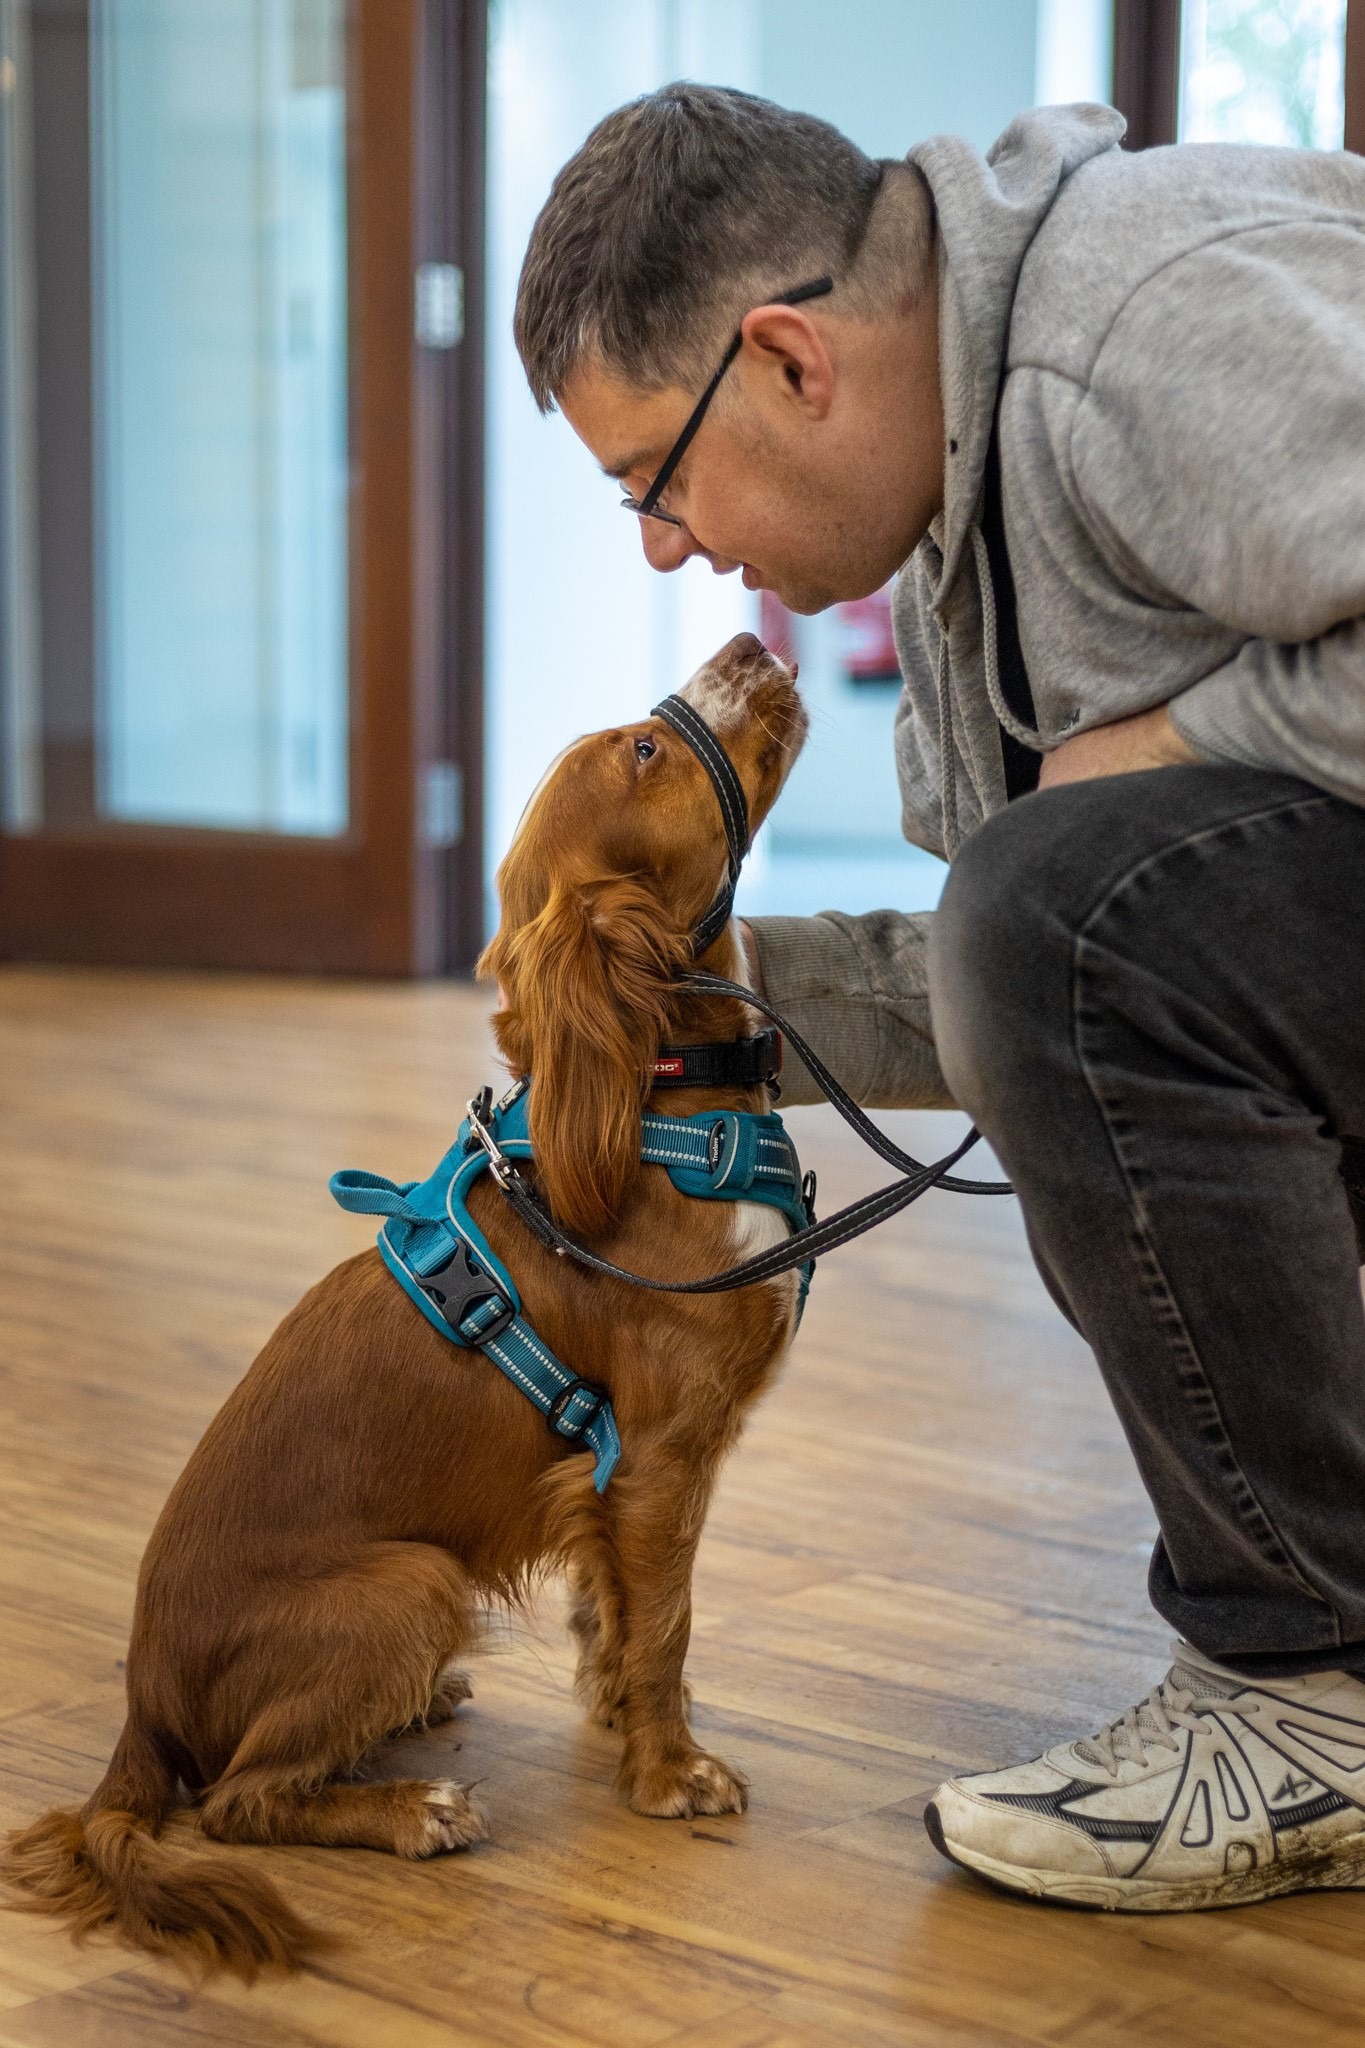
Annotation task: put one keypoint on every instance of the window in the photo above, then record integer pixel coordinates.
(1267, 71)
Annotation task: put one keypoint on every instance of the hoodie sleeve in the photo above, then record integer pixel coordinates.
(1219, 447)
(857, 988)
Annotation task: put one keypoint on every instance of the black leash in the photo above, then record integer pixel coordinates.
(803, 1246)
(734, 809)
(855, 1117)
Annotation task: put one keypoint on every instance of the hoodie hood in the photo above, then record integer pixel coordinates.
(989, 209)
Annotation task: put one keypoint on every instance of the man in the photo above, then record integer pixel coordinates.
(1138, 383)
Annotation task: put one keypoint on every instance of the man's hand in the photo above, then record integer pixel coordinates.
(1148, 740)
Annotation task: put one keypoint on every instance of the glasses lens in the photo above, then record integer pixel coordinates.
(632, 505)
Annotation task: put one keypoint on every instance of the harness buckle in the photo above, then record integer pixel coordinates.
(562, 1400)
(458, 1286)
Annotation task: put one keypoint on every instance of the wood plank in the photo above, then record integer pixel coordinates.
(928, 1554)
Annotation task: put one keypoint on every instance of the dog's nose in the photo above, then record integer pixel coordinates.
(743, 647)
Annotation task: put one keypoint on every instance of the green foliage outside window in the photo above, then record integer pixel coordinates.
(1263, 71)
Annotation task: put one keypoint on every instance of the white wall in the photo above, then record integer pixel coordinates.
(581, 631)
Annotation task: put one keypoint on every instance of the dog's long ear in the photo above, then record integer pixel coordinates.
(589, 987)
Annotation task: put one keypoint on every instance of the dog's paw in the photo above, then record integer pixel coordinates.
(449, 1820)
(681, 1787)
(452, 1689)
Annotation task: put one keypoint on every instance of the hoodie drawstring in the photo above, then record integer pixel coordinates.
(990, 652)
(947, 750)
(990, 647)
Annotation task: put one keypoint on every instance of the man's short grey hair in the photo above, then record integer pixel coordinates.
(680, 212)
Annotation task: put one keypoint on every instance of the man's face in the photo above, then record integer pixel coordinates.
(817, 468)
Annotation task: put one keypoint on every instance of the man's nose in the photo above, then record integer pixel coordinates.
(667, 547)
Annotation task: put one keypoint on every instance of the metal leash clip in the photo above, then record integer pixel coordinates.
(518, 1190)
(479, 1111)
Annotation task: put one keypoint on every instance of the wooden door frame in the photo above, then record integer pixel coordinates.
(451, 131)
(1355, 76)
(1147, 71)
(376, 900)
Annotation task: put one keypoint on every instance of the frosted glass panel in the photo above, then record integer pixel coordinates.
(220, 462)
(1264, 71)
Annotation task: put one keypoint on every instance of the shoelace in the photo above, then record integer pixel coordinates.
(1151, 1724)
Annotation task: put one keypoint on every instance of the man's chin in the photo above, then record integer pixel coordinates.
(805, 599)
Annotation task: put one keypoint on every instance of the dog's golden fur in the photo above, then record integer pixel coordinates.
(368, 1488)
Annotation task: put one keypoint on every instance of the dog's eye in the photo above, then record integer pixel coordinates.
(644, 748)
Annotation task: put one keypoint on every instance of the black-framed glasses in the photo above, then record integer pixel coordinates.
(648, 506)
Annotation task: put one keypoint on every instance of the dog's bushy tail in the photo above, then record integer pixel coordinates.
(105, 1867)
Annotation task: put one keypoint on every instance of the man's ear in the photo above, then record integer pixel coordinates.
(780, 342)
(590, 985)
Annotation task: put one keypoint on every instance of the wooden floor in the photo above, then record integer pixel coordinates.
(928, 1555)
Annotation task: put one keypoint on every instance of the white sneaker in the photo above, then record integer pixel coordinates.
(1215, 1791)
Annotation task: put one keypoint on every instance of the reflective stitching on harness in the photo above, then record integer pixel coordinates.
(547, 1358)
(512, 1369)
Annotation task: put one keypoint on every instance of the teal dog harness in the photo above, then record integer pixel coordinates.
(446, 1266)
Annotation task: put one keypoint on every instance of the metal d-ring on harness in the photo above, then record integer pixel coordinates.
(444, 1263)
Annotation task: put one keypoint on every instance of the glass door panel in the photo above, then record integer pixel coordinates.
(239, 537)
(176, 245)
(218, 177)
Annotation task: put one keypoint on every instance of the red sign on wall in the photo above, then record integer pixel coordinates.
(867, 646)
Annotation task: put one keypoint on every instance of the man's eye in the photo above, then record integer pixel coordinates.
(644, 748)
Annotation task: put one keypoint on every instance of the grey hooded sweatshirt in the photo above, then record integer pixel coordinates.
(1176, 340)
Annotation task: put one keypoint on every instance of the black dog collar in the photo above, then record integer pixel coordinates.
(740, 1063)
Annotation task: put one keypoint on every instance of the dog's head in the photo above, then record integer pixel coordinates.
(621, 850)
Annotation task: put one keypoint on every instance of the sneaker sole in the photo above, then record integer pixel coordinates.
(1341, 1867)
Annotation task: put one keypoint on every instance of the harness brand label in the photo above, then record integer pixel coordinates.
(674, 1066)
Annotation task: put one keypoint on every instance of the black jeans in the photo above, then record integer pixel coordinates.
(1149, 992)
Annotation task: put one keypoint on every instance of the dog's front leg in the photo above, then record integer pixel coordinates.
(658, 1518)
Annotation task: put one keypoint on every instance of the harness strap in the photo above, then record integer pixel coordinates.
(574, 1408)
(731, 1152)
(437, 1253)
(441, 1272)
(369, 1194)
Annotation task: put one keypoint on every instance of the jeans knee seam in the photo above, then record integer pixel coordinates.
(1149, 861)
(1191, 1376)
